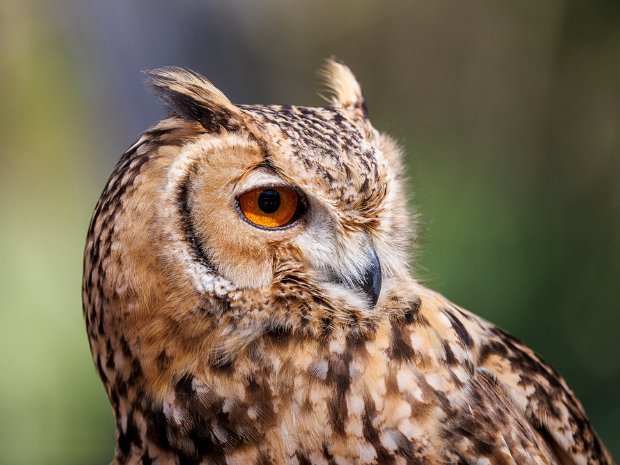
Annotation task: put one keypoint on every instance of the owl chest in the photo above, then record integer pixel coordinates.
(357, 406)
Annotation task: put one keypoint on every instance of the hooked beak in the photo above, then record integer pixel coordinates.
(370, 282)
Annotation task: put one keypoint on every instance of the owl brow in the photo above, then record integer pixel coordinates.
(270, 178)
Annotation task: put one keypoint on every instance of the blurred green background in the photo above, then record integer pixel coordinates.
(509, 111)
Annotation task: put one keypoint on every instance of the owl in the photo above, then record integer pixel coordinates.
(248, 300)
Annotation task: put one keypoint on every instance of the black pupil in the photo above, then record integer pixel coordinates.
(269, 201)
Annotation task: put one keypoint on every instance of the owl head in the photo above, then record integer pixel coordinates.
(226, 224)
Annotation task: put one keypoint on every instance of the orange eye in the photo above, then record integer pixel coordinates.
(270, 207)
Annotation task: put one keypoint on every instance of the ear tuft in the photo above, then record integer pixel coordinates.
(191, 96)
(344, 88)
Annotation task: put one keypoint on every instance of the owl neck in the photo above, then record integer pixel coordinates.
(214, 411)
(176, 403)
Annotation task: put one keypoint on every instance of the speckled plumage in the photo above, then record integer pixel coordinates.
(221, 343)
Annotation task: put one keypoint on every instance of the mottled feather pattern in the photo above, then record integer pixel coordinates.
(221, 343)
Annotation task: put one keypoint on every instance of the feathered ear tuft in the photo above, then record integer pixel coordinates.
(343, 87)
(189, 95)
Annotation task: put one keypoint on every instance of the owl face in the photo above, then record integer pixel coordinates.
(276, 188)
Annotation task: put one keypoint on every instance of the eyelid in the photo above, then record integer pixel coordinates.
(259, 179)
(262, 187)
(282, 185)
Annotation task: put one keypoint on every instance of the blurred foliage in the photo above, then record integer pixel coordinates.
(509, 111)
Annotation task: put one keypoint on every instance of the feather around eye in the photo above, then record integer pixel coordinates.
(270, 207)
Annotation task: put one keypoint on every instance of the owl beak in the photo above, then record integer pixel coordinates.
(371, 281)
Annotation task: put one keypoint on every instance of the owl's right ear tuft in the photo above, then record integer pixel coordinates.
(189, 95)
(344, 89)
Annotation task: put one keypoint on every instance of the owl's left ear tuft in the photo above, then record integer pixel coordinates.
(344, 89)
(189, 95)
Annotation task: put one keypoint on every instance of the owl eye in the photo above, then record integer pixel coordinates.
(271, 207)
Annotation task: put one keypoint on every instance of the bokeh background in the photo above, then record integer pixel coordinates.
(509, 112)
